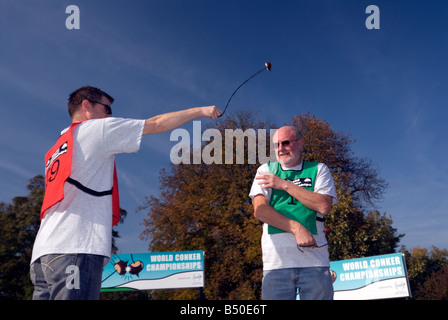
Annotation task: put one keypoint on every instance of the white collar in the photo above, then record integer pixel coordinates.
(297, 167)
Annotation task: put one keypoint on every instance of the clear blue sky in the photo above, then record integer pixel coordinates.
(386, 87)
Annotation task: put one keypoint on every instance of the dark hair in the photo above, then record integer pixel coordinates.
(90, 93)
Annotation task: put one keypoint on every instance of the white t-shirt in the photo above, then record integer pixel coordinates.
(280, 250)
(82, 223)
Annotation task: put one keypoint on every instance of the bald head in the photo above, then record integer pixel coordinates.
(288, 143)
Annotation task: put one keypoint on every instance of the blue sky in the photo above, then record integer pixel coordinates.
(385, 87)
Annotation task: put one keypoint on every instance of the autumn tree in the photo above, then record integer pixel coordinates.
(207, 207)
(356, 228)
(426, 271)
(435, 287)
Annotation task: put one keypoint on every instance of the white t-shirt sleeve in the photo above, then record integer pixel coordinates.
(325, 183)
(256, 188)
(123, 135)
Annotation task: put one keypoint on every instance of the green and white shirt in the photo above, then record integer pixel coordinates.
(279, 247)
(286, 204)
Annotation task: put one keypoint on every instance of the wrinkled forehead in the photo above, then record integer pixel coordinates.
(285, 133)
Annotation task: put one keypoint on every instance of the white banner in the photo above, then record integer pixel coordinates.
(377, 277)
(162, 270)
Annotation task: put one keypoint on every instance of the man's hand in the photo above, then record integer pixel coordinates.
(321, 203)
(211, 112)
(269, 180)
(304, 238)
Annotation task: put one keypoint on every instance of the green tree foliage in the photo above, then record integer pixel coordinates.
(19, 222)
(207, 207)
(427, 272)
(435, 287)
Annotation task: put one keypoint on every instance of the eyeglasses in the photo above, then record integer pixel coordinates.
(107, 107)
(284, 143)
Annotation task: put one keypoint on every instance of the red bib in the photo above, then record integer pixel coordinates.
(58, 165)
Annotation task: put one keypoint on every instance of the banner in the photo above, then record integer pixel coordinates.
(162, 270)
(377, 277)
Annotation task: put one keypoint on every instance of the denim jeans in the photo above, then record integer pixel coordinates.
(311, 283)
(67, 277)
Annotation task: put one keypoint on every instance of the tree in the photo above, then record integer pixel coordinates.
(356, 177)
(426, 271)
(19, 223)
(115, 234)
(207, 207)
(359, 185)
(435, 287)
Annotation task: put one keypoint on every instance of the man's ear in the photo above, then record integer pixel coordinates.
(86, 108)
(86, 105)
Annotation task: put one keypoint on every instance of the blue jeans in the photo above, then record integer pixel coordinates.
(284, 284)
(67, 277)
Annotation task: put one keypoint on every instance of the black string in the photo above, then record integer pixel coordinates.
(252, 76)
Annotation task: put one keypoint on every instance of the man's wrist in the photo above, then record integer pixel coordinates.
(296, 227)
(287, 185)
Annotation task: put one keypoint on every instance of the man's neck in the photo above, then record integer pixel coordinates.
(79, 118)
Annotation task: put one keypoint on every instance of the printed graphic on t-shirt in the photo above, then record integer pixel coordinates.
(54, 163)
(303, 182)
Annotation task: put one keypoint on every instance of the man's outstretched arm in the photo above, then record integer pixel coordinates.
(172, 120)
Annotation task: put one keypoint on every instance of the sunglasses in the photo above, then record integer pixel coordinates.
(106, 107)
(284, 143)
